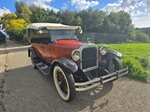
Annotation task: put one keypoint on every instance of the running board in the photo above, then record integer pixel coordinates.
(43, 67)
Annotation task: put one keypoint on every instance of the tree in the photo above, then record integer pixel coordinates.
(67, 17)
(77, 20)
(118, 23)
(92, 21)
(14, 26)
(125, 23)
(139, 36)
(38, 14)
(52, 17)
(19, 6)
(5, 20)
(26, 13)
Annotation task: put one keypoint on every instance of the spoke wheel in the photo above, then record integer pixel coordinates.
(64, 83)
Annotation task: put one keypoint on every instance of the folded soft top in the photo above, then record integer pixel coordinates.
(38, 26)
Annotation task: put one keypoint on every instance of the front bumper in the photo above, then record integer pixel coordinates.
(83, 86)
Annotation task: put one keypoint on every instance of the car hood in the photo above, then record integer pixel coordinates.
(69, 43)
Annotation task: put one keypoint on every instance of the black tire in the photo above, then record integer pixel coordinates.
(32, 60)
(117, 64)
(64, 83)
(113, 65)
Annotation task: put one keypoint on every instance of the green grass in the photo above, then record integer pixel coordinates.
(136, 57)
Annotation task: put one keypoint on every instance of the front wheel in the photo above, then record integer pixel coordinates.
(113, 65)
(64, 83)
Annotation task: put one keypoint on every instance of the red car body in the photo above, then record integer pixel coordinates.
(75, 65)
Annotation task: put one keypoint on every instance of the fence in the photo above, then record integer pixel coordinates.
(103, 38)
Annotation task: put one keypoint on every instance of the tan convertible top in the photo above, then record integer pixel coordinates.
(38, 26)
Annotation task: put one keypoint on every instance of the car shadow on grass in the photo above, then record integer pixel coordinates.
(31, 90)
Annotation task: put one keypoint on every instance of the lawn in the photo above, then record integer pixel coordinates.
(136, 57)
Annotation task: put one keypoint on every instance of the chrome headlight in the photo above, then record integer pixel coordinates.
(75, 55)
(103, 50)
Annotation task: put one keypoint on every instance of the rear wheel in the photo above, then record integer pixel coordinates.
(64, 83)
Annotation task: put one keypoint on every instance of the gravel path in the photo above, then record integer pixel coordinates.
(24, 89)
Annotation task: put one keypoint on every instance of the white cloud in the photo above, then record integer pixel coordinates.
(42, 3)
(83, 4)
(4, 10)
(141, 21)
(138, 9)
(146, 4)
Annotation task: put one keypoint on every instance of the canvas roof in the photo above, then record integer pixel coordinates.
(38, 26)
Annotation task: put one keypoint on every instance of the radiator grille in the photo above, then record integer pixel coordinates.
(89, 57)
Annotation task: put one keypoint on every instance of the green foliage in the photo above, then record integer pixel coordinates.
(136, 57)
(135, 69)
(19, 5)
(26, 13)
(145, 30)
(5, 19)
(139, 36)
(14, 27)
(118, 23)
(38, 14)
(92, 20)
(2, 37)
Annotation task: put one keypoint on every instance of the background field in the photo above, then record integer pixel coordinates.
(136, 57)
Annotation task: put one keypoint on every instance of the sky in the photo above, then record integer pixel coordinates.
(139, 10)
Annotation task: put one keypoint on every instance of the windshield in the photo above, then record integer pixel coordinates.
(62, 34)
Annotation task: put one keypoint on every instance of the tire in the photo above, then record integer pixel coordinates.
(32, 60)
(117, 64)
(113, 65)
(64, 83)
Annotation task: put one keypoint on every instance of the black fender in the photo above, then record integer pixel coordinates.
(31, 49)
(113, 57)
(113, 54)
(69, 65)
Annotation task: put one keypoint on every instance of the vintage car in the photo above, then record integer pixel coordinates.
(75, 66)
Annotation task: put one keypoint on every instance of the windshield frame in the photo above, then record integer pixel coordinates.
(61, 34)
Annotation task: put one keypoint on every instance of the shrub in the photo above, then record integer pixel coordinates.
(2, 37)
(139, 36)
(135, 69)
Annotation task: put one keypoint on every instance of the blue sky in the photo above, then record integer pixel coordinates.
(138, 9)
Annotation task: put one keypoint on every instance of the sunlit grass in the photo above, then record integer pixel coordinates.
(137, 57)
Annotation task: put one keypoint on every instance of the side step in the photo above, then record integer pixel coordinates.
(42, 67)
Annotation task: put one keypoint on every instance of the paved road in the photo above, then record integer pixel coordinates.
(24, 89)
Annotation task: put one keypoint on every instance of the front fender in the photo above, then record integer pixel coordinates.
(113, 54)
(69, 65)
(31, 49)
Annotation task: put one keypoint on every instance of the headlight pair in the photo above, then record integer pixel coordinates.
(75, 55)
